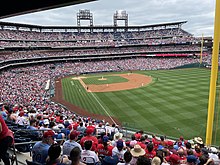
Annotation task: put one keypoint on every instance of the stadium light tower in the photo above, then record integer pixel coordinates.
(84, 15)
(120, 15)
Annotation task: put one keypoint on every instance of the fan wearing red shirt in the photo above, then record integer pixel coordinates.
(154, 139)
(142, 142)
(89, 137)
(182, 156)
(104, 149)
(6, 139)
(75, 125)
(150, 153)
(91, 126)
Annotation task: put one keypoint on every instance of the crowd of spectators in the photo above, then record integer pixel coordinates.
(12, 55)
(19, 38)
(71, 36)
(109, 147)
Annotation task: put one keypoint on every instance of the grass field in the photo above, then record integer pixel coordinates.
(174, 104)
(109, 79)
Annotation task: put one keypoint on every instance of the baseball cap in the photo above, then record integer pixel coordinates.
(170, 143)
(213, 150)
(21, 113)
(160, 147)
(205, 151)
(120, 144)
(174, 159)
(192, 159)
(89, 131)
(105, 138)
(74, 134)
(110, 160)
(70, 127)
(48, 133)
(46, 121)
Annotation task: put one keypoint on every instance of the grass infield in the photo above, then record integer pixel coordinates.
(107, 79)
(174, 104)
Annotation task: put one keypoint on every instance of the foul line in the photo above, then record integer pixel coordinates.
(103, 108)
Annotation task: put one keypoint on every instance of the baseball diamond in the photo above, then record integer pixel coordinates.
(165, 103)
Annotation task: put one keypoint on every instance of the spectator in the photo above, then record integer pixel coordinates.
(199, 142)
(104, 149)
(150, 153)
(75, 156)
(81, 128)
(127, 158)
(45, 126)
(91, 138)
(117, 136)
(110, 160)
(162, 141)
(11, 116)
(182, 156)
(215, 155)
(142, 160)
(32, 127)
(138, 135)
(6, 140)
(133, 141)
(54, 156)
(112, 130)
(40, 149)
(119, 150)
(192, 160)
(21, 119)
(87, 155)
(4, 111)
(136, 152)
(156, 161)
(173, 159)
(71, 143)
(141, 142)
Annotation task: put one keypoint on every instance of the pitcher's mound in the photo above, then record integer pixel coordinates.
(134, 81)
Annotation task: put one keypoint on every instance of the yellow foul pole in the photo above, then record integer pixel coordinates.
(201, 50)
(214, 73)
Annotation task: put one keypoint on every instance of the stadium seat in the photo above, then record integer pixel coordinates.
(22, 147)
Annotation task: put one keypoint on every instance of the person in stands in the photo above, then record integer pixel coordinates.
(90, 137)
(119, 150)
(75, 156)
(127, 158)
(104, 149)
(136, 152)
(150, 153)
(71, 143)
(88, 156)
(54, 156)
(6, 140)
(40, 149)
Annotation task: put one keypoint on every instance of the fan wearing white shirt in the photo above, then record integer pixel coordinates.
(88, 156)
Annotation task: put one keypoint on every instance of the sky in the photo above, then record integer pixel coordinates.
(198, 13)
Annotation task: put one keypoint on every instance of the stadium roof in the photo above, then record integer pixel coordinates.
(17, 7)
(89, 27)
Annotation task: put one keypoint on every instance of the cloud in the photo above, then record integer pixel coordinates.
(198, 13)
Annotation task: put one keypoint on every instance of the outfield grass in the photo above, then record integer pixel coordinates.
(175, 104)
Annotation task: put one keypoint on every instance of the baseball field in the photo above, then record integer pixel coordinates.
(164, 102)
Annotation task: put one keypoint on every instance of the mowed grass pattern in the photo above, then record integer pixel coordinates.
(175, 104)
